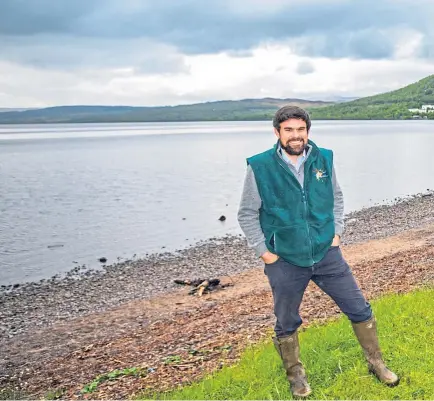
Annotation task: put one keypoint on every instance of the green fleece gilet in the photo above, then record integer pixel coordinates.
(298, 222)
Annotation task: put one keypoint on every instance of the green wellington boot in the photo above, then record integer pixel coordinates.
(289, 350)
(366, 333)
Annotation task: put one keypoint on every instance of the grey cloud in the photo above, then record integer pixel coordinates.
(22, 17)
(329, 28)
(305, 67)
(239, 53)
(63, 53)
(370, 44)
(427, 47)
(366, 44)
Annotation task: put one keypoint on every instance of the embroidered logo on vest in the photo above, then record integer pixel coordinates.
(320, 174)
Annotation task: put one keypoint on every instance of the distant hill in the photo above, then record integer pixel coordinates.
(390, 105)
(338, 99)
(247, 109)
(7, 109)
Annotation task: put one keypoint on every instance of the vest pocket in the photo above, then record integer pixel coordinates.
(291, 241)
(270, 240)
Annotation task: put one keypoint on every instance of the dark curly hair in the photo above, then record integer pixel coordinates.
(288, 112)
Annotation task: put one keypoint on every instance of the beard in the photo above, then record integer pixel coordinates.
(294, 146)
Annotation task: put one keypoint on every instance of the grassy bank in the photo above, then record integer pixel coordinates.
(334, 360)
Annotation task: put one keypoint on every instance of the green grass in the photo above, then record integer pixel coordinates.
(113, 375)
(334, 361)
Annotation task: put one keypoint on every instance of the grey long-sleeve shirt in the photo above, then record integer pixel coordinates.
(248, 212)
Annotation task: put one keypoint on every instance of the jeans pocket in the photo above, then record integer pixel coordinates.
(268, 265)
(272, 263)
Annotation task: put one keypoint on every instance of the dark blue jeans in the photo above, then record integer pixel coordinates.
(332, 274)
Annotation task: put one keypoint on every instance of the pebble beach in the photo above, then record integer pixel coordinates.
(40, 304)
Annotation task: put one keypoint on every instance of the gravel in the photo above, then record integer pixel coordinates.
(82, 292)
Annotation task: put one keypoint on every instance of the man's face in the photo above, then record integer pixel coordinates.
(293, 136)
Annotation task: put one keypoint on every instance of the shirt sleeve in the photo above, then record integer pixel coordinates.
(248, 214)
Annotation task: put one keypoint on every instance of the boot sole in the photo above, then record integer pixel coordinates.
(304, 395)
(394, 384)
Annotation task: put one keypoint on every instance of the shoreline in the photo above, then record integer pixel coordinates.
(82, 272)
(313, 118)
(36, 305)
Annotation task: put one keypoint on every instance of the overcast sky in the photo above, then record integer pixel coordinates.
(166, 52)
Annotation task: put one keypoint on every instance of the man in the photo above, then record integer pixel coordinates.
(291, 212)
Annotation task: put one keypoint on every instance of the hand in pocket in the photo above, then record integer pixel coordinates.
(336, 240)
(269, 258)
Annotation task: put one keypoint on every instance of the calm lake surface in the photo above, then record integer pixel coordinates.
(77, 192)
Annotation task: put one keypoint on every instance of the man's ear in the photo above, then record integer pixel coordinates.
(276, 133)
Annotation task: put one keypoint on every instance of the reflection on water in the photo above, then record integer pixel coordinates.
(76, 192)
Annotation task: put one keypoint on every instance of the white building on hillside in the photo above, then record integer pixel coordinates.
(426, 108)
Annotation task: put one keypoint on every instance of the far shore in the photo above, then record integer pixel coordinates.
(5, 124)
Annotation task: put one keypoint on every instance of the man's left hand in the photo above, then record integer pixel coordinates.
(336, 240)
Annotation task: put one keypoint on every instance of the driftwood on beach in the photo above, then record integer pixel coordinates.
(202, 285)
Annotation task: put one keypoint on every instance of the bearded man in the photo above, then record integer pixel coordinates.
(291, 212)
